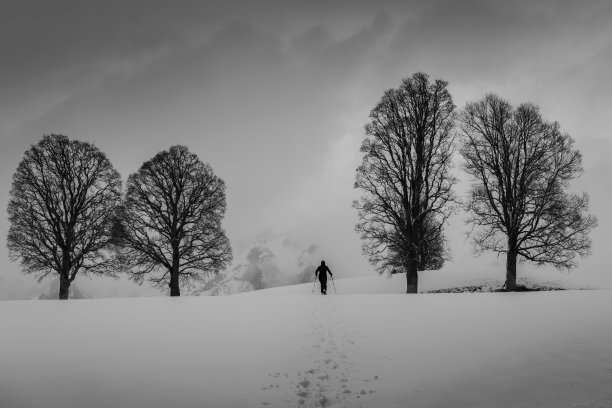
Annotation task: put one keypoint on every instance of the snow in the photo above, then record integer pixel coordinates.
(369, 346)
(441, 279)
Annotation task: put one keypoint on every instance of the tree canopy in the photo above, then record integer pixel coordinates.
(169, 227)
(405, 179)
(521, 167)
(61, 207)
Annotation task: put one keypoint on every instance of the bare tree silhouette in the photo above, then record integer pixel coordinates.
(405, 178)
(521, 166)
(61, 208)
(169, 226)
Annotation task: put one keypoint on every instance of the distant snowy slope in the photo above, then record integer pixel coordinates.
(434, 280)
(476, 350)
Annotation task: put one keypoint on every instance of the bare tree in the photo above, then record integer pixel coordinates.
(521, 166)
(61, 208)
(433, 249)
(432, 252)
(405, 178)
(169, 227)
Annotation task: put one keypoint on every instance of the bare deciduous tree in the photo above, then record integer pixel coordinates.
(433, 250)
(405, 178)
(521, 166)
(169, 227)
(61, 208)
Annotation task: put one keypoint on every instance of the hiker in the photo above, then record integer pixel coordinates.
(321, 273)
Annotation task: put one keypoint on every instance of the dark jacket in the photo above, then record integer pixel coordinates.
(321, 272)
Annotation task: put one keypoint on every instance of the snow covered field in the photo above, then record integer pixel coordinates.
(370, 346)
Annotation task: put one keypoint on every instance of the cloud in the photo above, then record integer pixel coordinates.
(259, 106)
(505, 47)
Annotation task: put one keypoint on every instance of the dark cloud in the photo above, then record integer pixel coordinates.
(495, 42)
(52, 49)
(254, 104)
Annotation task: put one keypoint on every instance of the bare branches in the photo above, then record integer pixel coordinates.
(63, 196)
(405, 176)
(521, 167)
(170, 222)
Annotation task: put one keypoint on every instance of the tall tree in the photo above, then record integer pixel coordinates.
(521, 166)
(405, 178)
(169, 227)
(61, 208)
(433, 249)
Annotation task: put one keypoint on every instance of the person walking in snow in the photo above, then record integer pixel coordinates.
(321, 273)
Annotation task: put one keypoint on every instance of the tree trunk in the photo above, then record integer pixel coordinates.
(412, 276)
(174, 285)
(174, 273)
(64, 274)
(511, 257)
(64, 289)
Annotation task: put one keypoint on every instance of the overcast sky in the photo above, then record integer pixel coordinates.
(275, 94)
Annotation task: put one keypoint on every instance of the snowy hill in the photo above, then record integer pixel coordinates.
(288, 347)
(437, 280)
